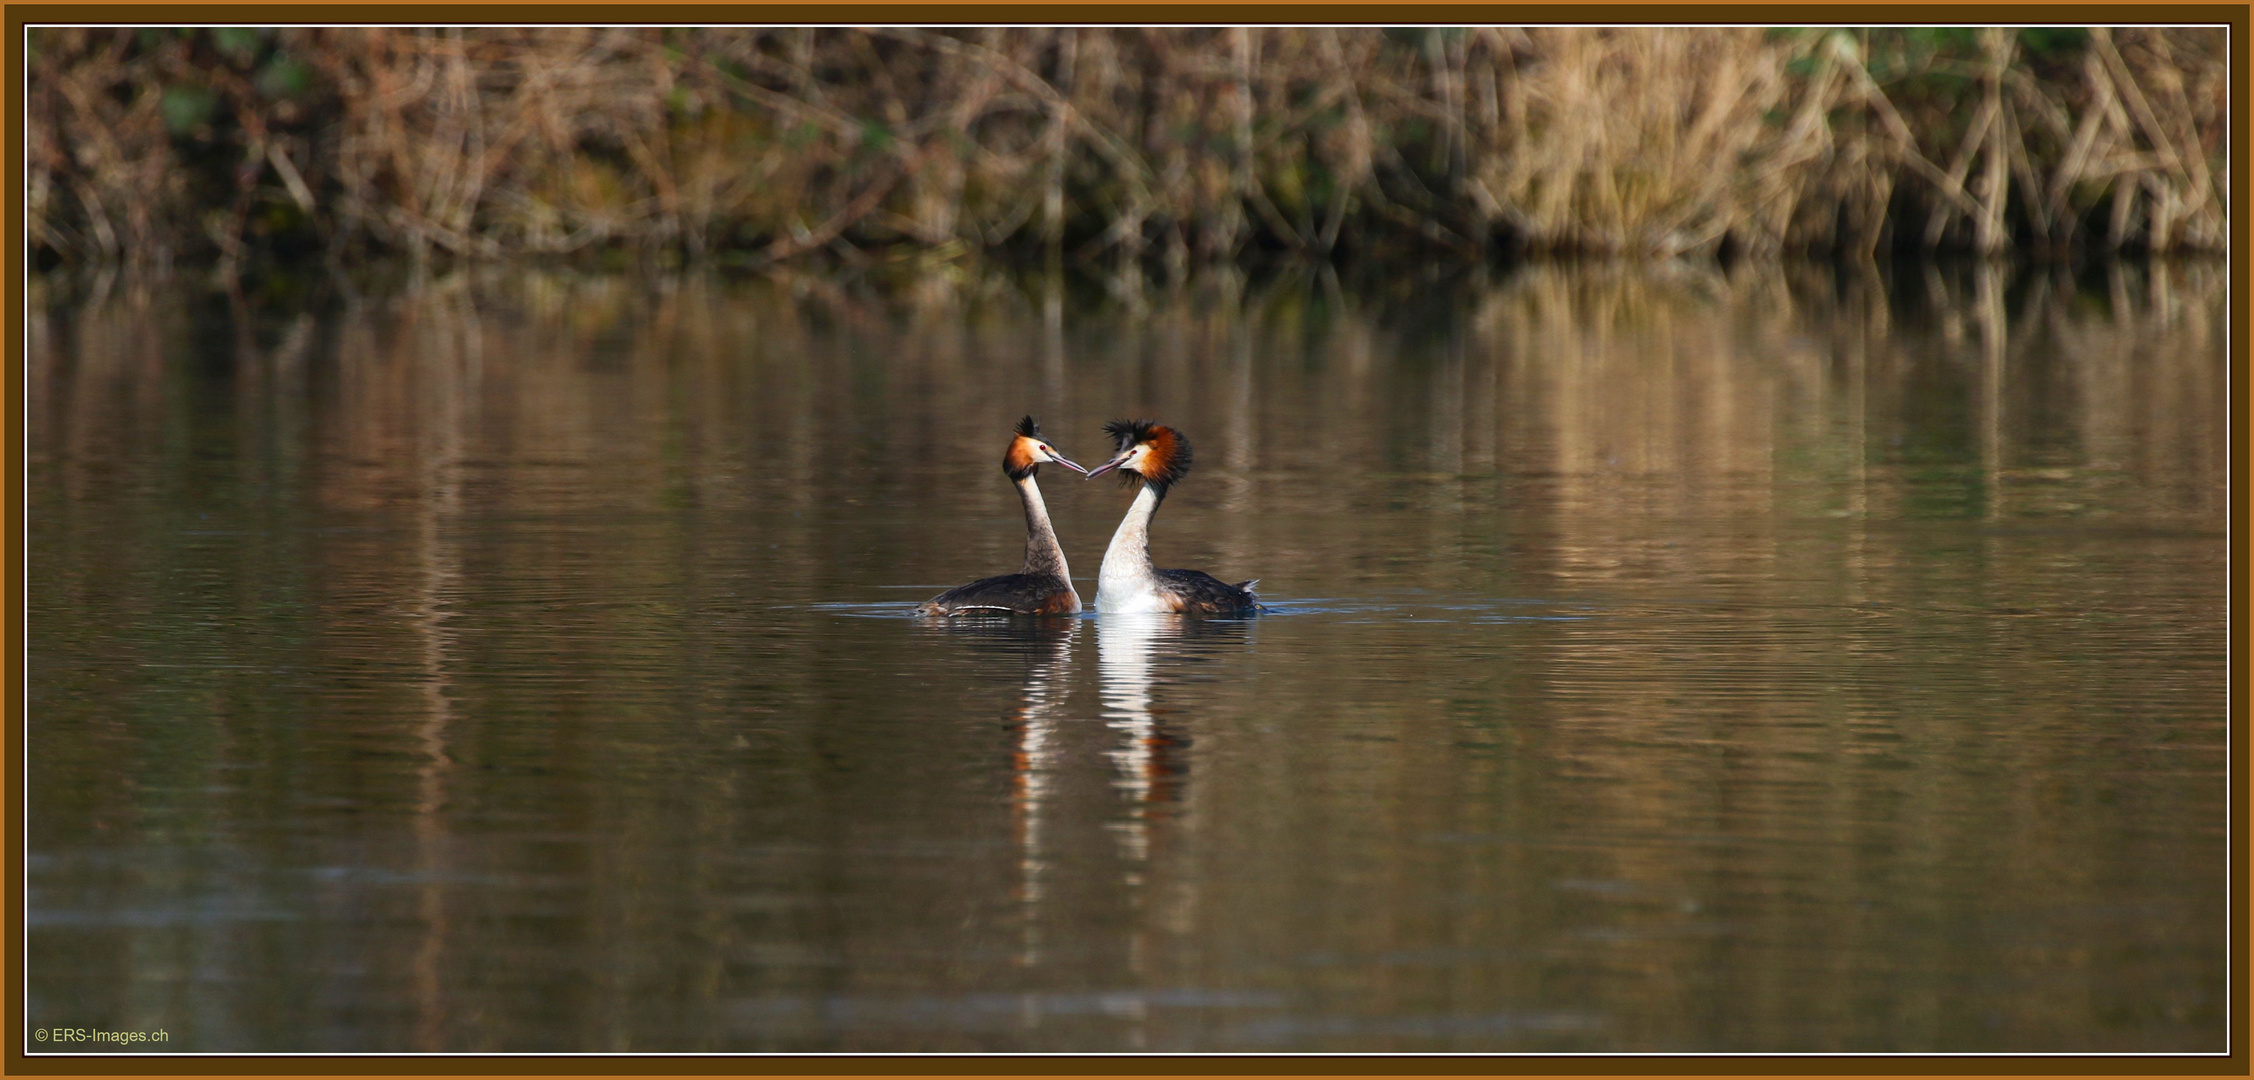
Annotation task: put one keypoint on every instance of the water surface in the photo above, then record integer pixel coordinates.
(1779, 660)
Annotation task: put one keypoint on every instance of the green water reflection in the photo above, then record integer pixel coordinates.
(1770, 660)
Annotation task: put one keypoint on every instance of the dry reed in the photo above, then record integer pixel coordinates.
(759, 145)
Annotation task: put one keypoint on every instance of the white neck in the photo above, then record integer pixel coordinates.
(1043, 555)
(1126, 583)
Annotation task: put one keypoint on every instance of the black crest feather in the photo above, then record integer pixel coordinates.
(1169, 461)
(1126, 433)
(1029, 427)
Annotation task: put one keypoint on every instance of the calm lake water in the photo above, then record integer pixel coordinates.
(1661, 660)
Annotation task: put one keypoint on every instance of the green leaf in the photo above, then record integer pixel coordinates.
(186, 107)
(875, 136)
(1951, 37)
(237, 43)
(2048, 41)
(284, 77)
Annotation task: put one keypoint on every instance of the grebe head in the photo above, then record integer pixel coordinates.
(1028, 450)
(1157, 454)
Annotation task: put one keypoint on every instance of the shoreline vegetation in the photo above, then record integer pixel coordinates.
(233, 146)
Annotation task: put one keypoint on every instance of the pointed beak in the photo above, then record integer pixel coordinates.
(1068, 463)
(1106, 466)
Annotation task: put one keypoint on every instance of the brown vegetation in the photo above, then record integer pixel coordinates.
(757, 145)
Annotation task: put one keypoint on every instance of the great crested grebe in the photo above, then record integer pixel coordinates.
(1044, 585)
(1127, 583)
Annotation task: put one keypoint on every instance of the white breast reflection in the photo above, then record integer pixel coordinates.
(1147, 756)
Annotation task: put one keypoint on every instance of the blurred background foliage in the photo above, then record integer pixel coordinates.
(750, 146)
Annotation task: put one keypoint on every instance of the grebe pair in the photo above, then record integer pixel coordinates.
(1155, 455)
